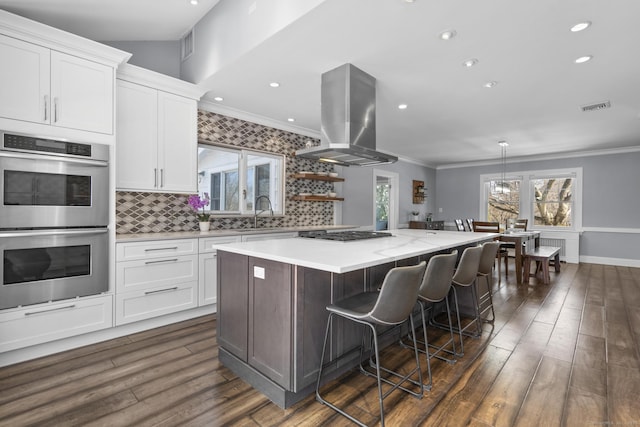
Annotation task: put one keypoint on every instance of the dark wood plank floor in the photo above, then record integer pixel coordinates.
(564, 354)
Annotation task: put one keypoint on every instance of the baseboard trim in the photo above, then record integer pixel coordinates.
(622, 262)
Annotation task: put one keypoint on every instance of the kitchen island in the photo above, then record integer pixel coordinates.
(272, 298)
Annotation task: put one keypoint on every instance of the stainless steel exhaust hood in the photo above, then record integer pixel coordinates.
(348, 119)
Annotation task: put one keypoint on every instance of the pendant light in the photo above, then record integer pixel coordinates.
(503, 160)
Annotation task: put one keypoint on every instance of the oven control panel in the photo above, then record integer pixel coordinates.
(30, 143)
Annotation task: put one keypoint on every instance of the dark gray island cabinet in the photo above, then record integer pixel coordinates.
(272, 312)
(271, 322)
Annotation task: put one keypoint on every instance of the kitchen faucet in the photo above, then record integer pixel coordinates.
(255, 209)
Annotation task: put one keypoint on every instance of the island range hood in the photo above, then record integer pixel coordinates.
(348, 120)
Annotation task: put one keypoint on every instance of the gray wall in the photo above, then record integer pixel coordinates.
(357, 191)
(159, 56)
(610, 191)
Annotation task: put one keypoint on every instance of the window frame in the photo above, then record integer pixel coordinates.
(527, 199)
(277, 191)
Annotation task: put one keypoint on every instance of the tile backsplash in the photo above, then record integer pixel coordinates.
(140, 212)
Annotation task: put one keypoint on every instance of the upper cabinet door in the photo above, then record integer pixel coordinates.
(137, 137)
(177, 143)
(81, 94)
(24, 81)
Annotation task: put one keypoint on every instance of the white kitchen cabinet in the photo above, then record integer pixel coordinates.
(157, 135)
(155, 278)
(152, 302)
(150, 249)
(40, 323)
(53, 88)
(81, 94)
(25, 84)
(208, 268)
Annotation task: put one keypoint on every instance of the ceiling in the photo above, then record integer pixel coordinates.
(115, 20)
(527, 48)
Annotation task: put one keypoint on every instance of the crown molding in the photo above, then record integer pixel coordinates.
(214, 107)
(555, 156)
(139, 75)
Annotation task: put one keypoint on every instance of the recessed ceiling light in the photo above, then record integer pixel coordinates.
(490, 84)
(581, 26)
(402, 106)
(584, 59)
(470, 62)
(291, 119)
(194, 2)
(447, 35)
(409, 1)
(218, 98)
(274, 84)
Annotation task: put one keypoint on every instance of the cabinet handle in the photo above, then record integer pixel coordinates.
(155, 177)
(162, 178)
(46, 108)
(161, 249)
(175, 288)
(30, 313)
(55, 109)
(161, 260)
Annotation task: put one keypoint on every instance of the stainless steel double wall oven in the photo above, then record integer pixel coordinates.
(54, 213)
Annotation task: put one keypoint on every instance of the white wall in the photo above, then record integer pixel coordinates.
(228, 31)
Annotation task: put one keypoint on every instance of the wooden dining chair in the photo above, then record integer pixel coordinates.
(521, 223)
(486, 227)
(494, 227)
(470, 224)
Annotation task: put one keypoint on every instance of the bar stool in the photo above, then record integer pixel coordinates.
(465, 278)
(435, 288)
(485, 270)
(391, 306)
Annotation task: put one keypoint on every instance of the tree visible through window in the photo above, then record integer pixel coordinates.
(552, 201)
(545, 198)
(503, 201)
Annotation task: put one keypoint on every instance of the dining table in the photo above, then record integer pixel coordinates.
(521, 241)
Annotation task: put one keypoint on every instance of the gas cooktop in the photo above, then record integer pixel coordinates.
(345, 236)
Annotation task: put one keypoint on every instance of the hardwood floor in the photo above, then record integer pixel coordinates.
(563, 354)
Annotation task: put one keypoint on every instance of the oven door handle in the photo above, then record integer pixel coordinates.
(28, 156)
(58, 232)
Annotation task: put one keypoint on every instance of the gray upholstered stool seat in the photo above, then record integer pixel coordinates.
(392, 305)
(435, 288)
(464, 280)
(485, 271)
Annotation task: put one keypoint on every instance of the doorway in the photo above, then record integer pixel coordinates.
(385, 200)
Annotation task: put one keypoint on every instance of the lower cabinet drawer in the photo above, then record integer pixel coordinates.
(41, 323)
(144, 304)
(151, 274)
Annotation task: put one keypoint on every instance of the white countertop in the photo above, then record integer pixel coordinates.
(139, 237)
(342, 257)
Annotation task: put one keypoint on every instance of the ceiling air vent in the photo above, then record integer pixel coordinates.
(186, 45)
(598, 106)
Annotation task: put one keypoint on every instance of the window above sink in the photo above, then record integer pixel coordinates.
(234, 178)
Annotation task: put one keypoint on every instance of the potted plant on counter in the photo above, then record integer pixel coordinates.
(415, 215)
(196, 204)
